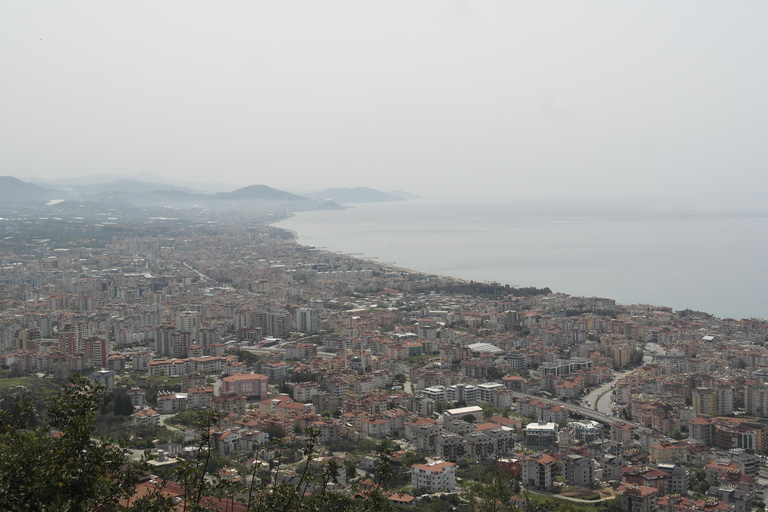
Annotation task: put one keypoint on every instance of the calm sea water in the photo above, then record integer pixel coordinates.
(663, 254)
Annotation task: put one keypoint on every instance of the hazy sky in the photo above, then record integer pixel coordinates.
(435, 97)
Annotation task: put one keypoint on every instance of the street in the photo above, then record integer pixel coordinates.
(604, 404)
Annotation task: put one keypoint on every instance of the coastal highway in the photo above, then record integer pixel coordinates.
(272, 350)
(587, 412)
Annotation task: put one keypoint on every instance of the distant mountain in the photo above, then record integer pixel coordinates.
(262, 192)
(91, 183)
(131, 185)
(131, 193)
(91, 179)
(13, 190)
(354, 195)
(251, 198)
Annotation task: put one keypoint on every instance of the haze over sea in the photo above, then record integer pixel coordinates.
(663, 254)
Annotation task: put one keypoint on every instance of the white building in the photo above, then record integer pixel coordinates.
(308, 320)
(586, 430)
(436, 393)
(537, 471)
(540, 434)
(434, 477)
(457, 414)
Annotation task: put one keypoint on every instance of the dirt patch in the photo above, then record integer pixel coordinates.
(585, 493)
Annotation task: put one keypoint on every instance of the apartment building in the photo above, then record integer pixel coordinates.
(540, 434)
(637, 498)
(308, 320)
(537, 471)
(247, 385)
(301, 351)
(434, 477)
(304, 391)
(578, 470)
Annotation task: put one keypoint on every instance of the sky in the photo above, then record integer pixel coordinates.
(439, 98)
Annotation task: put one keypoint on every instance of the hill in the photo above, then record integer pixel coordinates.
(13, 190)
(261, 192)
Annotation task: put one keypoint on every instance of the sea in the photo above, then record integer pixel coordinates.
(662, 253)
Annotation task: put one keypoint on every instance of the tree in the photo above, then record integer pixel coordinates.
(123, 405)
(495, 373)
(60, 466)
(493, 495)
(274, 432)
(676, 434)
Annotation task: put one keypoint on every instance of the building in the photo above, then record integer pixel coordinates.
(674, 452)
(741, 500)
(282, 405)
(104, 377)
(226, 404)
(451, 447)
(277, 325)
(756, 399)
(147, 417)
(637, 498)
(578, 470)
(329, 428)
(715, 469)
(170, 342)
(137, 396)
(248, 385)
(405, 500)
(704, 402)
(612, 465)
(434, 477)
(730, 434)
(679, 478)
(301, 351)
(304, 391)
(537, 471)
(170, 403)
(375, 427)
(540, 434)
(308, 320)
(646, 476)
(275, 371)
(457, 414)
(586, 430)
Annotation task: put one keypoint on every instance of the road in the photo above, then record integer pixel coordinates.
(264, 351)
(217, 382)
(202, 276)
(604, 404)
(587, 412)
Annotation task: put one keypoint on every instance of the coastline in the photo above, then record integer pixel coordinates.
(392, 267)
(526, 250)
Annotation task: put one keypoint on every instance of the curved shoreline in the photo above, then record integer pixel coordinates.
(490, 270)
(392, 267)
